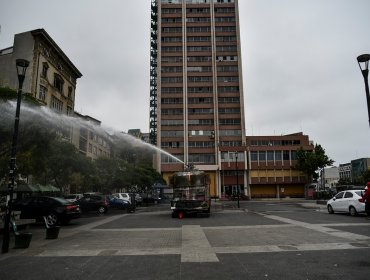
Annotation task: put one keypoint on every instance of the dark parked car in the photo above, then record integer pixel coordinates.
(94, 202)
(56, 210)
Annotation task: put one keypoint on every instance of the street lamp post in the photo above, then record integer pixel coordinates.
(22, 65)
(237, 178)
(363, 62)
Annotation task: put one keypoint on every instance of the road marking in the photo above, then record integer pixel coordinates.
(320, 228)
(195, 246)
(285, 248)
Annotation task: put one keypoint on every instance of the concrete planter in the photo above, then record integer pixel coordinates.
(52, 232)
(22, 240)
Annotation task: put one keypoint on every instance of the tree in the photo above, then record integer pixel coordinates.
(310, 161)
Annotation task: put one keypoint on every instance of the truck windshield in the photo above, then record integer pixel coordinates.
(189, 193)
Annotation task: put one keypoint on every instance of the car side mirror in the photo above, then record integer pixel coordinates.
(334, 198)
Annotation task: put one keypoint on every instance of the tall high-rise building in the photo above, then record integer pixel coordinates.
(196, 97)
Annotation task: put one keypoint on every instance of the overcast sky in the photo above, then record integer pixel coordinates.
(299, 63)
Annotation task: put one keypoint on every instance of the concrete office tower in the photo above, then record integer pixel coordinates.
(196, 98)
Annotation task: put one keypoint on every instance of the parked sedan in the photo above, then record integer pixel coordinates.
(119, 203)
(56, 210)
(349, 201)
(94, 202)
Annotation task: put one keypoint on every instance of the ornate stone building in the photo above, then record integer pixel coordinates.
(51, 77)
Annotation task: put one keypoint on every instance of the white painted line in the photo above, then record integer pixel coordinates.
(195, 246)
(320, 228)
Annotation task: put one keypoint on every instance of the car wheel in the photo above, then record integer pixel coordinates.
(52, 219)
(352, 211)
(330, 209)
(102, 210)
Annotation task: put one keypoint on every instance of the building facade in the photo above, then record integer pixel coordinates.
(359, 166)
(88, 140)
(51, 77)
(345, 172)
(271, 165)
(196, 98)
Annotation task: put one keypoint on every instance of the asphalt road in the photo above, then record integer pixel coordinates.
(261, 240)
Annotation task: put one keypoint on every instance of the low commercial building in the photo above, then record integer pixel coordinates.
(272, 161)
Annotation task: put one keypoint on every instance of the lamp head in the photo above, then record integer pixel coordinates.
(22, 65)
(363, 62)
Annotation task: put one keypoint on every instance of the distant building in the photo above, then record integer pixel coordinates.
(345, 172)
(89, 142)
(359, 166)
(51, 77)
(329, 178)
(135, 132)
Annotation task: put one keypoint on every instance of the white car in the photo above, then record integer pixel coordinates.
(73, 197)
(124, 196)
(349, 201)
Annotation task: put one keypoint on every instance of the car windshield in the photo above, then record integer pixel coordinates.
(71, 196)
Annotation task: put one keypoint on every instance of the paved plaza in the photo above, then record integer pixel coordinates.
(152, 245)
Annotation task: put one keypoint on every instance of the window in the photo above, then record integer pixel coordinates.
(201, 144)
(228, 100)
(229, 121)
(202, 158)
(199, 79)
(230, 132)
(339, 195)
(229, 110)
(200, 111)
(227, 79)
(42, 93)
(200, 100)
(169, 90)
(270, 155)
(198, 19)
(200, 89)
(286, 155)
(200, 122)
(348, 195)
(175, 133)
(172, 122)
(58, 82)
(56, 104)
(70, 92)
(171, 80)
(69, 111)
(278, 156)
(44, 72)
(171, 101)
(254, 156)
(262, 156)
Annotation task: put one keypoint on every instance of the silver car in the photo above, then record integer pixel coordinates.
(349, 201)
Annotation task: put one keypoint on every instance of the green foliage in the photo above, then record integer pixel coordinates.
(310, 161)
(11, 94)
(50, 160)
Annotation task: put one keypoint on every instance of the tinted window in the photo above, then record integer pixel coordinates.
(359, 193)
(348, 195)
